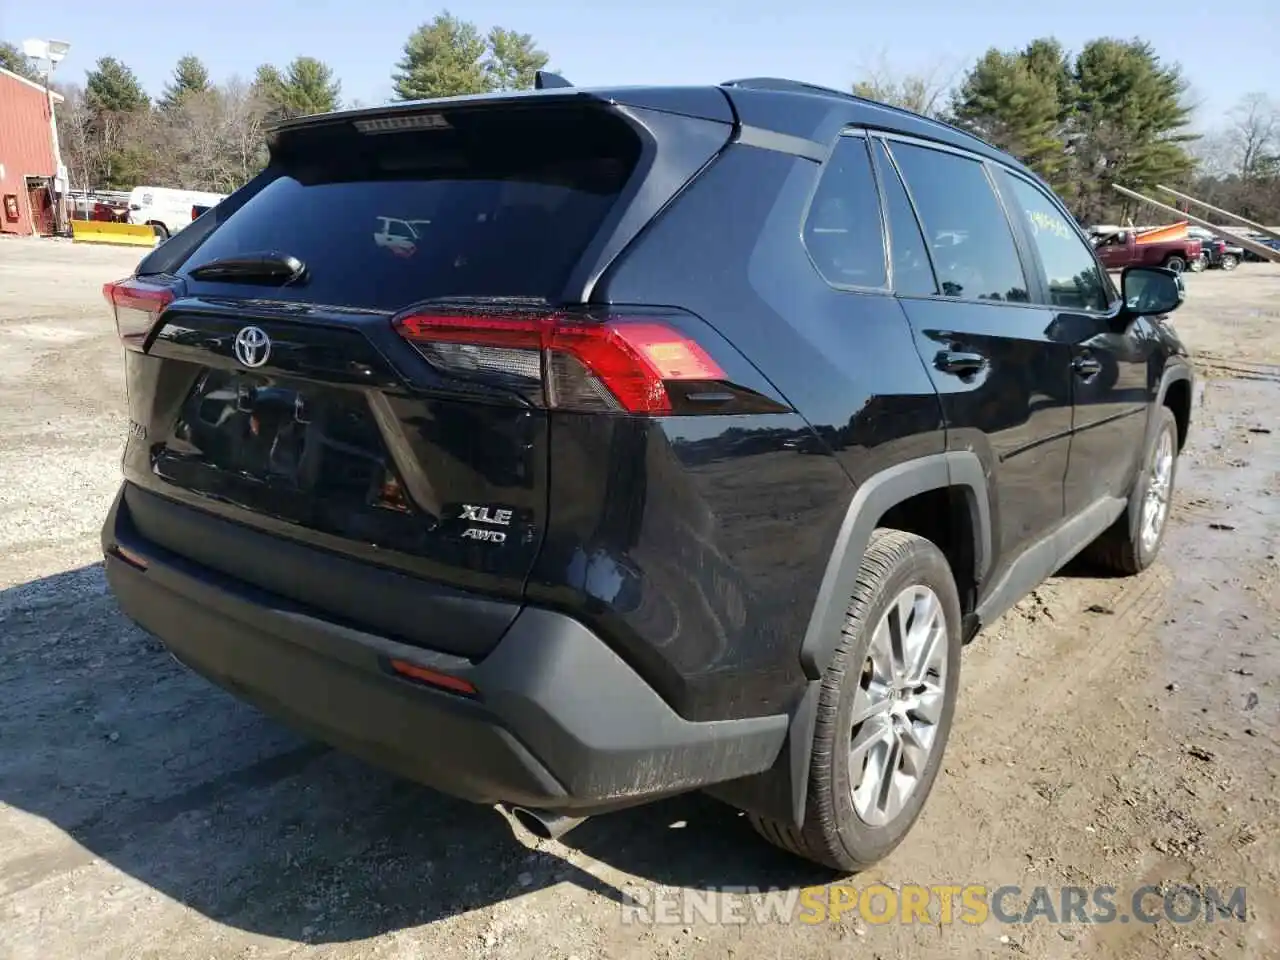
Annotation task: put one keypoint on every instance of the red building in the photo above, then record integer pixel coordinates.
(28, 165)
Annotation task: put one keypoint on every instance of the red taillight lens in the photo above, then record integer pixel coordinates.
(136, 306)
(617, 364)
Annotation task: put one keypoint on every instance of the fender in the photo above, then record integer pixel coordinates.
(874, 497)
(1174, 370)
(782, 791)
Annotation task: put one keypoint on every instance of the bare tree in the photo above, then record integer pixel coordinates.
(923, 92)
(212, 139)
(245, 118)
(75, 142)
(1254, 135)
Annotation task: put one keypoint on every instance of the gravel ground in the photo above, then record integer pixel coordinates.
(1119, 732)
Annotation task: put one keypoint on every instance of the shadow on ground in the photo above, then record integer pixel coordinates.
(177, 784)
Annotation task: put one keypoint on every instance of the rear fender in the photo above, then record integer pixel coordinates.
(781, 792)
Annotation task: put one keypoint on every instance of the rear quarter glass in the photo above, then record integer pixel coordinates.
(496, 206)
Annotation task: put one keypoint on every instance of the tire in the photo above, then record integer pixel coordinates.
(1199, 264)
(900, 572)
(1174, 263)
(1229, 261)
(161, 232)
(1129, 546)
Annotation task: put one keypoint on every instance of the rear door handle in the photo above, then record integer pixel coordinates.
(959, 362)
(1086, 367)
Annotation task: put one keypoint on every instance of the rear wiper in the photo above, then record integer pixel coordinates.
(252, 268)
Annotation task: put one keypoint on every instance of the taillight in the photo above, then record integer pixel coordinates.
(619, 364)
(136, 306)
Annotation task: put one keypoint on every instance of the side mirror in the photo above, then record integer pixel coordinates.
(1151, 290)
(1122, 236)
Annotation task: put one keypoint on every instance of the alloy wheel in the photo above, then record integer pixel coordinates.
(899, 704)
(1155, 504)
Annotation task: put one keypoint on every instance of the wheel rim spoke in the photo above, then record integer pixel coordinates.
(868, 704)
(873, 733)
(890, 795)
(927, 704)
(915, 750)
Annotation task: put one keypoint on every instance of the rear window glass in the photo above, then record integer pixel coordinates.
(496, 206)
(843, 231)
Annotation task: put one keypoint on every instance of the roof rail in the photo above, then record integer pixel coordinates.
(779, 83)
(799, 86)
(546, 80)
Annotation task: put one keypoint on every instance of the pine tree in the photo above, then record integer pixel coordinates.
(443, 58)
(189, 76)
(111, 87)
(513, 60)
(309, 87)
(1132, 119)
(1006, 102)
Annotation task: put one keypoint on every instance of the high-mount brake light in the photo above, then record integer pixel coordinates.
(618, 364)
(136, 305)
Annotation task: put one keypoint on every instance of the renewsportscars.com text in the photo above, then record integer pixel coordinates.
(974, 904)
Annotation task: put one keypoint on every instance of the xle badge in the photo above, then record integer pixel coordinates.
(479, 514)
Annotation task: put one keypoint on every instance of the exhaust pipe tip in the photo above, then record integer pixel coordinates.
(542, 823)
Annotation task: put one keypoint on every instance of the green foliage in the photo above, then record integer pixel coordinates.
(449, 57)
(1115, 114)
(1132, 117)
(309, 87)
(443, 58)
(1047, 60)
(268, 81)
(15, 61)
(189, 76)
(1006, 102)
(305, 87)
(513, 60)
(111, 87)
(123, 168)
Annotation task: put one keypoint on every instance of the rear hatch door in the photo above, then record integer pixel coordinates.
(294, 408)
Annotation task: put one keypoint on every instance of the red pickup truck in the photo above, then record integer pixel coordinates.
(1120, 249)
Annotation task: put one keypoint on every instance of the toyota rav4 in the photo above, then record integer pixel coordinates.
(683, 451)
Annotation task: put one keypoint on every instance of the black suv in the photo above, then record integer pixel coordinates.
(673, 439)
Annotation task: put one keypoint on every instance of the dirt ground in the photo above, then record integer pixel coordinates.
(1110, 731)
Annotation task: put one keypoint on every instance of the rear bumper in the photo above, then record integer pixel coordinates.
(559, 720)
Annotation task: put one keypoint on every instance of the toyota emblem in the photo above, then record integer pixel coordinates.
(252, 346)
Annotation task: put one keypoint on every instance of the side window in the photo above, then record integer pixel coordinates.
(912, 272)
(842, 231)
(1072, 273)
(972, 244)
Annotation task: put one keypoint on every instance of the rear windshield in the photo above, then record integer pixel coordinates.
(502, 203)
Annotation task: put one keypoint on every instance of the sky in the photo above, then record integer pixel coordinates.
(1225, 51)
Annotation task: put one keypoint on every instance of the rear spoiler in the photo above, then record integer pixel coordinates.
(700, 102)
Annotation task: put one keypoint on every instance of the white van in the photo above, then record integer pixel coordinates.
(167, 210)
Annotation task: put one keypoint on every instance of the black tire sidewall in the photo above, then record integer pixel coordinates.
(922, 564)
